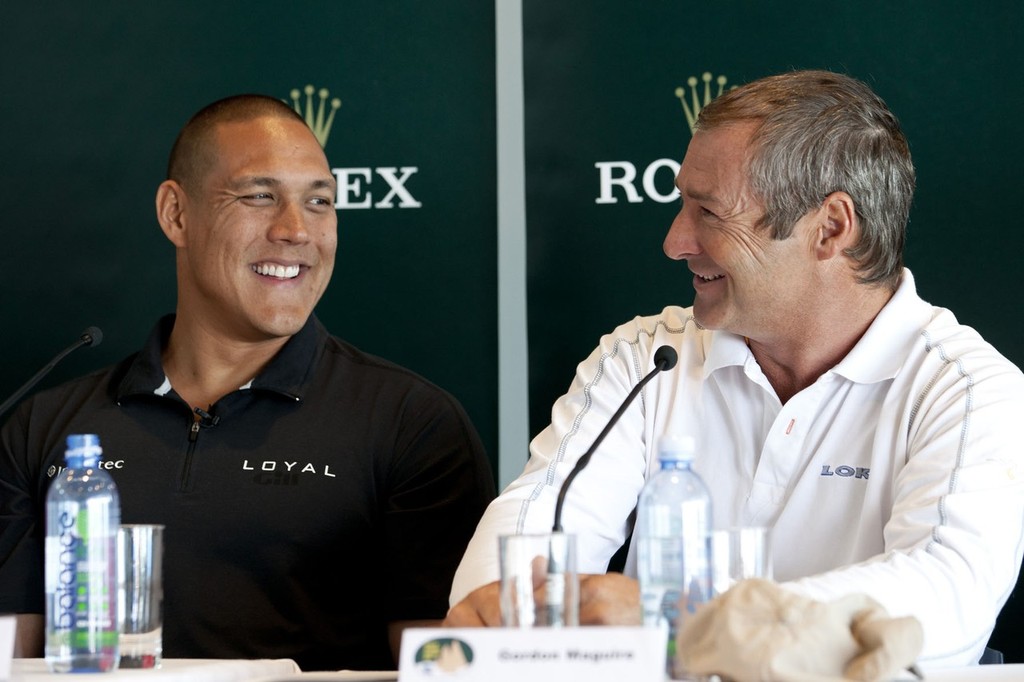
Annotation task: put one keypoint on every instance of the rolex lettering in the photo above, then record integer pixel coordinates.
(618, 179)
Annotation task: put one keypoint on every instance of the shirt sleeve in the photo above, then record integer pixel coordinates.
(602, 497)
(953, 539)
(439, 484)
(21, 536)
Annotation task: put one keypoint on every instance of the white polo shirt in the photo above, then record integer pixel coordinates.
(898, 473)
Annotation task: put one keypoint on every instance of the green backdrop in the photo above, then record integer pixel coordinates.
(93, 95)
(950, 71)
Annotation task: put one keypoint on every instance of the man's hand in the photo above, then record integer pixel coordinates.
(610, 599)
(481, 607)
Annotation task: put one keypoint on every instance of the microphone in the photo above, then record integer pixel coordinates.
(92, 336)
(665, 358)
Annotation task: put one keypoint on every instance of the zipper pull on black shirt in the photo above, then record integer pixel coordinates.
(206, 420)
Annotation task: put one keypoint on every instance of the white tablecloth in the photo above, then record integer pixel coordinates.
(285, 670)
(1010, 671)
(172, 670)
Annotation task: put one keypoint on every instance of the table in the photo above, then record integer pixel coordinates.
(1007, 672)
(172, 670)
(285, 670)
(201, 670)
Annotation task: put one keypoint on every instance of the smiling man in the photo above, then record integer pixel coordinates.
(877, 437)
(317, 499)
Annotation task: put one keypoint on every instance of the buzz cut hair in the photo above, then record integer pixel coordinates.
(193, 154)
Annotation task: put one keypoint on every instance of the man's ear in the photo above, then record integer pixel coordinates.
(170, 209)
(838, 226)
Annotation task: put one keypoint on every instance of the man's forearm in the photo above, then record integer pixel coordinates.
(28, 636)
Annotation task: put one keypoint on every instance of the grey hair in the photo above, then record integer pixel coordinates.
(819, 132)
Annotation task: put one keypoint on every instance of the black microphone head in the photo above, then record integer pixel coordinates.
(665, 358)
(92, 336)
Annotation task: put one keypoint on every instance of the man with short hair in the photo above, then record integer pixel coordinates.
(877, 437)
(317, 499)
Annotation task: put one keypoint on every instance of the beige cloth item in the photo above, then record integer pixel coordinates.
(758, 631)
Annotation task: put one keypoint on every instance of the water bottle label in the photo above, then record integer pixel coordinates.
(79, 576)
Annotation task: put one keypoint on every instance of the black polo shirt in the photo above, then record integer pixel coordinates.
(333, 494)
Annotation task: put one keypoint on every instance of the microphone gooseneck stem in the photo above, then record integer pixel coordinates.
(90, 337)
(661, 362)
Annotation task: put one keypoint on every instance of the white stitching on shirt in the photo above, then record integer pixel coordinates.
(961, 447)
(964, 426)
(549, 479)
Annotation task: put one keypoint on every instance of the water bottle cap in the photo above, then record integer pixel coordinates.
(84, 448)
(676, 447)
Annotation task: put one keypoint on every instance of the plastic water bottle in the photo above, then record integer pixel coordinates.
(674, 540)
(83, 513)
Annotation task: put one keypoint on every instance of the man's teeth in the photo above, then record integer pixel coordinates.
(710, 278)
(278, 271)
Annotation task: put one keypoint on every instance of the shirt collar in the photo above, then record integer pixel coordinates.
(724, 349)
(881, 351)
(288, 373)
(291, 370)
(877, 356)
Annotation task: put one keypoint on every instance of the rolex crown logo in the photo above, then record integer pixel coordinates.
(317, 117)
(693, 107)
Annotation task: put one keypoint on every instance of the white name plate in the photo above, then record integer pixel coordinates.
(7, 624)
(595, 654)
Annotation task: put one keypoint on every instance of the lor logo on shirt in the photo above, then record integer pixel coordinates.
(845, 471)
